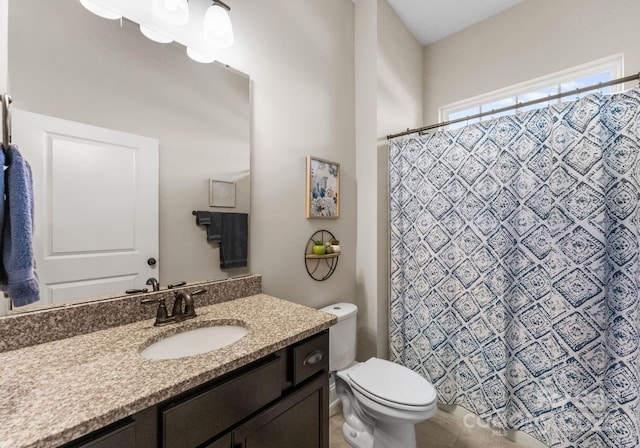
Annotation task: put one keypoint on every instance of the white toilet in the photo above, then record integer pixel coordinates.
(381, 401)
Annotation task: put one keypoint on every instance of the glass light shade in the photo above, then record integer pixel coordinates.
(173, 12)
(155, 35)
(100, 10)
(217, 27)
(199, 56)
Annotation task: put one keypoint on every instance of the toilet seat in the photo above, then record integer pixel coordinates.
(392, 385)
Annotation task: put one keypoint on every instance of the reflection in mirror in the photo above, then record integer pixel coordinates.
(106, 74)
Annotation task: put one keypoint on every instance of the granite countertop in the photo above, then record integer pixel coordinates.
(55, 392)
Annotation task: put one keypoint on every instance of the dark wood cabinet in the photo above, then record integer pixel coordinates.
(280, 401)
(196, 419)
(121, 434)
(297, 421)
(222, 442)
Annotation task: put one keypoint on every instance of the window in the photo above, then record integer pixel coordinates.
(602, 70)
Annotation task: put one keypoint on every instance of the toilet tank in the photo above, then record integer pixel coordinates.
(342, 336)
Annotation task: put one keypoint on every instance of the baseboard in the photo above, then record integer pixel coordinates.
(335, 408)
(513, 435)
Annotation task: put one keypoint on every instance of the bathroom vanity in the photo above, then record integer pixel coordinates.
(268, 389)
(277, 401)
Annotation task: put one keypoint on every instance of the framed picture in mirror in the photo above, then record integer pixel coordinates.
(222, 194)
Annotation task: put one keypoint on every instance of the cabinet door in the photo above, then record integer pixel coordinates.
(300, 420)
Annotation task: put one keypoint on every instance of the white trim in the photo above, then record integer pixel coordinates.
(613, 64)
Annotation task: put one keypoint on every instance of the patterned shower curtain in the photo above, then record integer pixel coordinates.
(515, 268)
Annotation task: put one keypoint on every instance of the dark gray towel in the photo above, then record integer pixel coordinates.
(235, 237)
(213, 221)
(203, 218)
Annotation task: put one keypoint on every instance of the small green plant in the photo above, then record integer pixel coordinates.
(318, 247)
(335, 241)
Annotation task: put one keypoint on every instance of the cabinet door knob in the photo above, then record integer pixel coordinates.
(313, 358)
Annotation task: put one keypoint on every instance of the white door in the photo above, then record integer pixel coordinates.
(96, 206)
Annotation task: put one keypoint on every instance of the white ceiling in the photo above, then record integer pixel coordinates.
(431, 20)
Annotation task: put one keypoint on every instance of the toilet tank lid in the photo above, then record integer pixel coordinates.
(342, 310)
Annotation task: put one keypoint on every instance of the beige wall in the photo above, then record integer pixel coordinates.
(388, 97)
(299, 55)
(532, 39)
(400, 86)
(366, 32)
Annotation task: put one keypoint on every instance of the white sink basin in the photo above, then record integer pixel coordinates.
(194, 342)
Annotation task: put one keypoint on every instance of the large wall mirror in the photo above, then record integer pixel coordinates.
(65, 62)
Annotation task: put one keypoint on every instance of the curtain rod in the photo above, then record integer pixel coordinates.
(517, 106)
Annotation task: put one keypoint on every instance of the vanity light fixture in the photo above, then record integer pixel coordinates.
(100, 10)
(172, 12)
(199, 56)
(155, 36)
(216, 27)
(203, 26)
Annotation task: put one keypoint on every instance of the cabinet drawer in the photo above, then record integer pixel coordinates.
(310, 356)
(199, 418)
(121, 435)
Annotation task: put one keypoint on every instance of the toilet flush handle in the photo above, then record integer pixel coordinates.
(313, 358)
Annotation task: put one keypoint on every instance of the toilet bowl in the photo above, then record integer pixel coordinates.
(381, 400)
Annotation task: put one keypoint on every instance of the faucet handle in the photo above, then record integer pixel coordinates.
(136, 291)
(175, 285)
(162, 316)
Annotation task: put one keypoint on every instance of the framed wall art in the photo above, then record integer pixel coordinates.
(323, 188)
(222, 194)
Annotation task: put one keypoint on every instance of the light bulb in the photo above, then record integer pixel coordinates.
(173, 12)
(199, 56)
(154, 35)
(217, 28)
(100, 10)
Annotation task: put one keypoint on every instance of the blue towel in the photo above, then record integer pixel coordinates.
(3, 276)
(20, 279)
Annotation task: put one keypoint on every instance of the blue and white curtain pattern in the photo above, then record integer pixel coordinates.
(515, 268)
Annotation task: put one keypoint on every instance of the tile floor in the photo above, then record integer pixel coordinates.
(443, 430)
